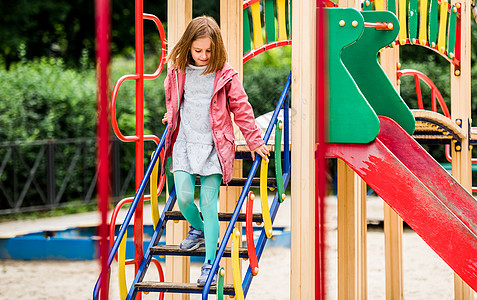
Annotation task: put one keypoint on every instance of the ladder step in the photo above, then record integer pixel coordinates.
(177, 215)
(175, 250)
(271, 182)
(172, 287)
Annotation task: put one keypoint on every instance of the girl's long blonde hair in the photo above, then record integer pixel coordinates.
(200, 27)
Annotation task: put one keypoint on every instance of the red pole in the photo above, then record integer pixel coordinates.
(138, 217)
(103, 21)
(379, 25)
(320, 160)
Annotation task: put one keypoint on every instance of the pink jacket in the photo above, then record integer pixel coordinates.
(228, 97)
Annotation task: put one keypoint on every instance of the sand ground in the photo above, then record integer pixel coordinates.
(426, 276)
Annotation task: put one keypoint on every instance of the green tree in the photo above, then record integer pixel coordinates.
(66, 29)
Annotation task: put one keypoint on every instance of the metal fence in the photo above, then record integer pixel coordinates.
(43, 175)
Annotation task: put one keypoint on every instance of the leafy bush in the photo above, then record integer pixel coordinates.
(42, 100)
(264, 78)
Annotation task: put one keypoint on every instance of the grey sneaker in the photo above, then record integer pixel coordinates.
(205, 273)
(194, 240)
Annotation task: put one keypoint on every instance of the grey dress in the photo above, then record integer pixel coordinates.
(194, 150)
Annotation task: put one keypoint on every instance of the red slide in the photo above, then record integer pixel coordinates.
(426, 197)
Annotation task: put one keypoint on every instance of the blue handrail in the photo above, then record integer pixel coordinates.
(243, 195)
(260, 246)
(154, 240)
(132, 209)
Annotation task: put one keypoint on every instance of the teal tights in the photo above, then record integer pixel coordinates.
(209, 190)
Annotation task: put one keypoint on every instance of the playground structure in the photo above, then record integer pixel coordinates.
(369, 129)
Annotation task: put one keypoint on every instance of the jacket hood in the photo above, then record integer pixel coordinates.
(227, 71)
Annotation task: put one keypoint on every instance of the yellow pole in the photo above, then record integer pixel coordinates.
(257, 25)
(402, 14)
(441, 40)
(423, 23)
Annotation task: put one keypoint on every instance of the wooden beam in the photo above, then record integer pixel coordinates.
(351, 234)
(393, 229)
(179, 14)
(302, 273)
(461, 109)
(231, 26)
(393, 226)
(352, 254)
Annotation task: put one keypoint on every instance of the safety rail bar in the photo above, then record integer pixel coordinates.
(120, 81)
(244, 193)
(252, 255)
(237, 279)
(264, 48)
(132, 209)
(435, 94)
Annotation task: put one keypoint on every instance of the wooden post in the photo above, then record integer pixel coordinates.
(231, 26)
(393, 226)
(461, 110)
(302, 282)
(352, 272)
(393, 254)
(351, 234)
(179, 14)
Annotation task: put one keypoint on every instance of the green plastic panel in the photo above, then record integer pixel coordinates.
(392, 6)
(433, 22)
(220, 284)
(169, 175)
(412, 20)
(361, 61)
(351, 118)
(290, 23)
(247, 42)
(278, 160)
(270, 20)
(452, 32)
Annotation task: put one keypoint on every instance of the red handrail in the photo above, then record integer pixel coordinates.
(379, 25)
(163, 46)
(435, 94)
(248, 3)
(114, 120)
(112, 223)
(264, 48)
(140, 137)
(161, 274)
(252, 254)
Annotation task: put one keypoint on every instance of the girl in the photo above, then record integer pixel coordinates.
(201, 91)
